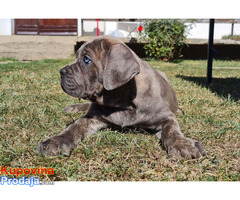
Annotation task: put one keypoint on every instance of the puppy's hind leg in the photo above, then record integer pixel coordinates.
(77, 108)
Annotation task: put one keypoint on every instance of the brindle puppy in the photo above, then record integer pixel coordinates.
(125, 91)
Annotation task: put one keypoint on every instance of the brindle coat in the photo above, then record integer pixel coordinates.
(125, 91)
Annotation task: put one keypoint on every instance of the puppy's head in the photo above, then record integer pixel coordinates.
(102, 64)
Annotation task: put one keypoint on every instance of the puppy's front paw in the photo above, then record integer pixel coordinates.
(76, 108)
(70, 109)
(55, 146)
(185, 148)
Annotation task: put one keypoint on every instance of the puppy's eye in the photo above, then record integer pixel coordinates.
(87, 60)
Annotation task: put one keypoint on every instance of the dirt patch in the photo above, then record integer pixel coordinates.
(37, 47)
(5, 62)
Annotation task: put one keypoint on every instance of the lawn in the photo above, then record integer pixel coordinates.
(31, 104)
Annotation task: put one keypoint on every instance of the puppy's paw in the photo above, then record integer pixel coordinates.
(71, 109)
(185, 148)
(55, 146)
(76, 108)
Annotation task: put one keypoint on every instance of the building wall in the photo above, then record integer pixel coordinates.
(122, 29)
(90, 28)
(237, 29)
(201, 30)
(6, 27)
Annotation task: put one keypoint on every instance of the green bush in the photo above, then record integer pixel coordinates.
(165, 38)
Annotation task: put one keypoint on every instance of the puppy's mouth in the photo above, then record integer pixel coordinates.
(75, 85)
(71, 87)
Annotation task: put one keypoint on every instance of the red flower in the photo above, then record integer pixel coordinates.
(140, 28)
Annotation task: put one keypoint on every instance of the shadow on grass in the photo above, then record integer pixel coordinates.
(224, 87)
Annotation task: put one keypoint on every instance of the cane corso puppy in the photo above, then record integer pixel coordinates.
(124, 91)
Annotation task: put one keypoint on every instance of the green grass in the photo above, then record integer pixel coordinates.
(232, 37)
(31, 104)
(7, 59)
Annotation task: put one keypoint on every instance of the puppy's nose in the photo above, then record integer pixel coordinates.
(63, 71)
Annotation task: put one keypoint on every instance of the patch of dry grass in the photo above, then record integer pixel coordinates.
(31, 104)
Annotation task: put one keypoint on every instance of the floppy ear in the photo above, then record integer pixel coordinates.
(120, 68)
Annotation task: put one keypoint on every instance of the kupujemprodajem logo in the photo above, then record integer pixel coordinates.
(19, 171)
(20, 181)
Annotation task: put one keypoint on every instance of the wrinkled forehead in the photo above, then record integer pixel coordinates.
(88, 48)
(96, 46)
(80, 51)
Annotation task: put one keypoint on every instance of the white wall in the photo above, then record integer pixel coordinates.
(110, 27)
(6, 27)
(236, 29)
(198, 30)
(115, 28)
(79, 27)
(201, 30)
(90, 28)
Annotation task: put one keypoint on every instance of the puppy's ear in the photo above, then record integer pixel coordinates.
(120, 68)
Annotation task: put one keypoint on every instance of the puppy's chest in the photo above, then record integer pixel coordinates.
(131, 118)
